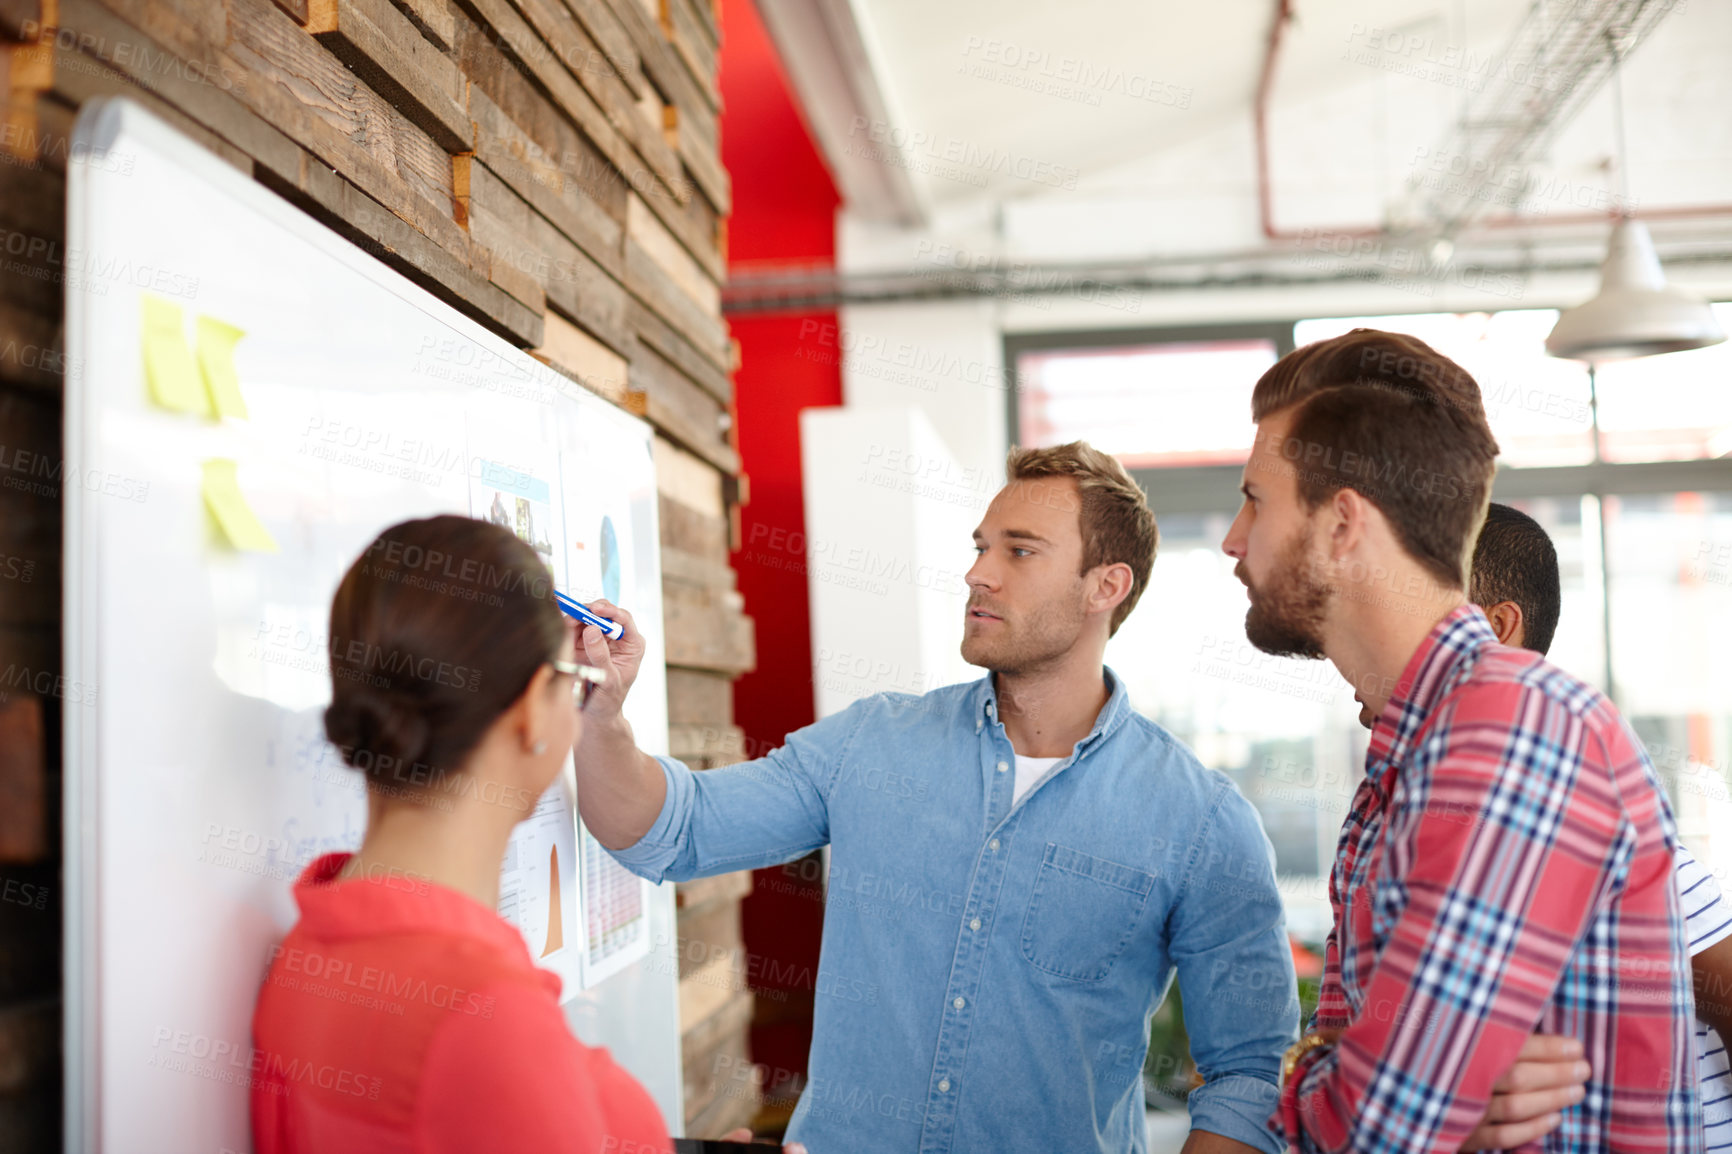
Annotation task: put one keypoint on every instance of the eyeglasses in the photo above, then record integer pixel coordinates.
(588, 679)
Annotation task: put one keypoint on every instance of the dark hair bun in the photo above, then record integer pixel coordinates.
(376, 731)
(436, 629)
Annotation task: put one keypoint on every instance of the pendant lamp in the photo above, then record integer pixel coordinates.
(1636, 313)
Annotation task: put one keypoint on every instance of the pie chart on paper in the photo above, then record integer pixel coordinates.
(609, 561)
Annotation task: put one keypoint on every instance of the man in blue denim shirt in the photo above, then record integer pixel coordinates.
(1018, 865)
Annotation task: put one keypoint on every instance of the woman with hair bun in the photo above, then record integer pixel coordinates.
(402, 1013)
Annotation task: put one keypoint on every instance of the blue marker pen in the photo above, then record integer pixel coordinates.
(574, 608)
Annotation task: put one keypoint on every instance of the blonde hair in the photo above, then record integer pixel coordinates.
(1116, 522)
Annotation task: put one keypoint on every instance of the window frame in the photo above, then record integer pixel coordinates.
(1206, 489)
(1215, 488)
(1016, 344)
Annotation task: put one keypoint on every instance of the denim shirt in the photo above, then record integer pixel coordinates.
(988, 970)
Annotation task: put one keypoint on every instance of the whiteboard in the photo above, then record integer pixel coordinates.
(197, 778)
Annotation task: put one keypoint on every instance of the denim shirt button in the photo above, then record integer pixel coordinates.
(1002, 766)
(959, 1003)
(944, 1086)
(992, 845)
(975, 924)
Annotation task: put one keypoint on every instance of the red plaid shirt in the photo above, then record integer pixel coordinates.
(1506, 868)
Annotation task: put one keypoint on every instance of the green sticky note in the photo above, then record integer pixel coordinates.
(216, 360)
(168, 365)
(222, 494)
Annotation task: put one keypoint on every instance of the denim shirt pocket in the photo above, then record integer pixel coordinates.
(1081, 913)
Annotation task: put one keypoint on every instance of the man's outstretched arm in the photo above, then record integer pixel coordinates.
(620, 788)
(661, 820)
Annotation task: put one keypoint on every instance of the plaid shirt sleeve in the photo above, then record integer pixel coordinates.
(1507, 832)
(1332, 1012)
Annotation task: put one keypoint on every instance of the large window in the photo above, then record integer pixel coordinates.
(1122, 400)
(1286, 731)
(1630, 473)
(1670, 578)
(1538, 406)
(1675, 407)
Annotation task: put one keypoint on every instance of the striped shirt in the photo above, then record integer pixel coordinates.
(1709, 920)
(1506, 867)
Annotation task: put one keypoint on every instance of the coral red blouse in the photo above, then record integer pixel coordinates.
(400, 1016)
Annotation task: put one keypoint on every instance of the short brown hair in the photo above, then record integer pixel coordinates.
(1393, 419)
(1115, 519)
(1375, 358)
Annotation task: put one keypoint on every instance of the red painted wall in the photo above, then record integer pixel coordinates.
(784, 213)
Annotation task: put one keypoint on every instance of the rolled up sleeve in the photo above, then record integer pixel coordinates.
(1235, 971)
(746, 816)
(1237, 1106)
(653, 853)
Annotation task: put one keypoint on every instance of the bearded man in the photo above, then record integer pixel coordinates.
(1506, 866)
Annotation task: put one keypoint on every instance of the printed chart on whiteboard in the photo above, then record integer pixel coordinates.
(538, 885)
(615, 914)
(600, 563)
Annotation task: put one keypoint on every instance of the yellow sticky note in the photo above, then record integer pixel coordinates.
(216, 360)
(168, 364)
(229, 506)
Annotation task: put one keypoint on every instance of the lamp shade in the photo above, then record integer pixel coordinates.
(1635, 314)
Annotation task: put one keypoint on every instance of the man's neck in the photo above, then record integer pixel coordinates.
(1370, 640)
(1047, 711)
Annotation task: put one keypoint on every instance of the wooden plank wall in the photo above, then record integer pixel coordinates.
(550, 167)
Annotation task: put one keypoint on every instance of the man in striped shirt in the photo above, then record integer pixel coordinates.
(1514, 579)
(1507, 864)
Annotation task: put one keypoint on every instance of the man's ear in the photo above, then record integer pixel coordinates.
(1112, 584)
(1506, 622)
(1349, 512)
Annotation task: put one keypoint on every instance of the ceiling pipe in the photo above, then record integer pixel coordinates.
(777, 287)
(1260, 129)
(793, 290)
(1610, 216)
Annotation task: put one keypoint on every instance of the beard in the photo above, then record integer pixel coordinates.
(1023, 645)
(1287, 612)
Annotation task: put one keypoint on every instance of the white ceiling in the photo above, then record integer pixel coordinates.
(953, 74)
